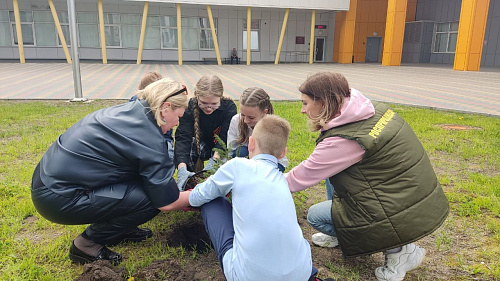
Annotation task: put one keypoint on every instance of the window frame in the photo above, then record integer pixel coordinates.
(66, 24)
(7, 22)
(448, 33)
(254, 27)
(169, 27)
(14, 32)
(51, 22)
(112, 25)
(80, 23)
(208, 30)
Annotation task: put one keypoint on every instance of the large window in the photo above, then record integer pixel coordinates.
(152, 39)
(254, 35)
(206, 38)
(45, 32)
(88, 30)
(112, 30)
(196, 33)
(130, 30)
(168, 32)
(445, 40)
(26, 27)
(64, 21)
(121, 30)
(5, 29)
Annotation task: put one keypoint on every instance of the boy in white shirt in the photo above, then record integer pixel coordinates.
(258, 236)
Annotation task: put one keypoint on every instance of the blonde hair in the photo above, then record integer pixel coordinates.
(271, 134)
(149, 78)
(157, 93)
(253, 97)
(207, 86)
(331, 89)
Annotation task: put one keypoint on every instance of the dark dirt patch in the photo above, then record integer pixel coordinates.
(205, 267)
(191, 235)
(101, 271)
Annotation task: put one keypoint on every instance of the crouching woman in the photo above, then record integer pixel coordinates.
(111, 170)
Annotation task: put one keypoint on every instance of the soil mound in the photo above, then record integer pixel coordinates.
(101, 271)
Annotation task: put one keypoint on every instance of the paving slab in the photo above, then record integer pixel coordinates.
(434, 86)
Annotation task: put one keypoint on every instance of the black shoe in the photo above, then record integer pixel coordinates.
(78, 256)
(134, 235)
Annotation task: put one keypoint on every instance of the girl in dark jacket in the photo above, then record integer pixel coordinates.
(209, 114)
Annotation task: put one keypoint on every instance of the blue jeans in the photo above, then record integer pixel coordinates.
(329, 189)
(319, 217)
(218, 219)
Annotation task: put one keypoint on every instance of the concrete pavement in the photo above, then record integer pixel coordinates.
(434, 86)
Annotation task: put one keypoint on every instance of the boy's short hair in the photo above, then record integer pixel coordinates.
(271, 134)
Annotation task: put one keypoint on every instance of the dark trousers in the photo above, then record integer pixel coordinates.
(218, 219)
(235, 58)
(110, 210)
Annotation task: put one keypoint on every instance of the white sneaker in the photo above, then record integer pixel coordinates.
(397, 264)
(324, 240)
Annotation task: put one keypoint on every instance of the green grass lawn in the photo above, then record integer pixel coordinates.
(463, 148)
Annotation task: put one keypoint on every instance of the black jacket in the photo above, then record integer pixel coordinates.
(216, 123)
(111, 145)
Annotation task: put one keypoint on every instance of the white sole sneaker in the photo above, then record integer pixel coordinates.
(397, 264)
(323, 240)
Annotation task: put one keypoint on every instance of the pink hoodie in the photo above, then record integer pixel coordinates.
(335, 154)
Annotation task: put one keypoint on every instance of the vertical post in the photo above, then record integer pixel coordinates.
(179, 33)
(311, 41)
(74, 50)
(470, 38)
(59, 31)
(101, 29)
(347, 30)
(282, 35)
(394, 32)
(19, 32)
(249, 35)
(143, 32)
(214, 35)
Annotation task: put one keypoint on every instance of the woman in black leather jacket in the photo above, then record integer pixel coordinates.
(111, 170)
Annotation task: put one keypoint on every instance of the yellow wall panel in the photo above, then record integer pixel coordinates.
(471, 29)
(394, 32)
(347, 32)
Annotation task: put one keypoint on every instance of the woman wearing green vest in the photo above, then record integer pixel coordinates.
(386, 193)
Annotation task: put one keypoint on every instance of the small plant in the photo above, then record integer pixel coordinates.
(202, 175)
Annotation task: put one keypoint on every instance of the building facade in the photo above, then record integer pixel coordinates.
(463, 33)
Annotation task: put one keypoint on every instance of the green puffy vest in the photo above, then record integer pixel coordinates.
(392, 196)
